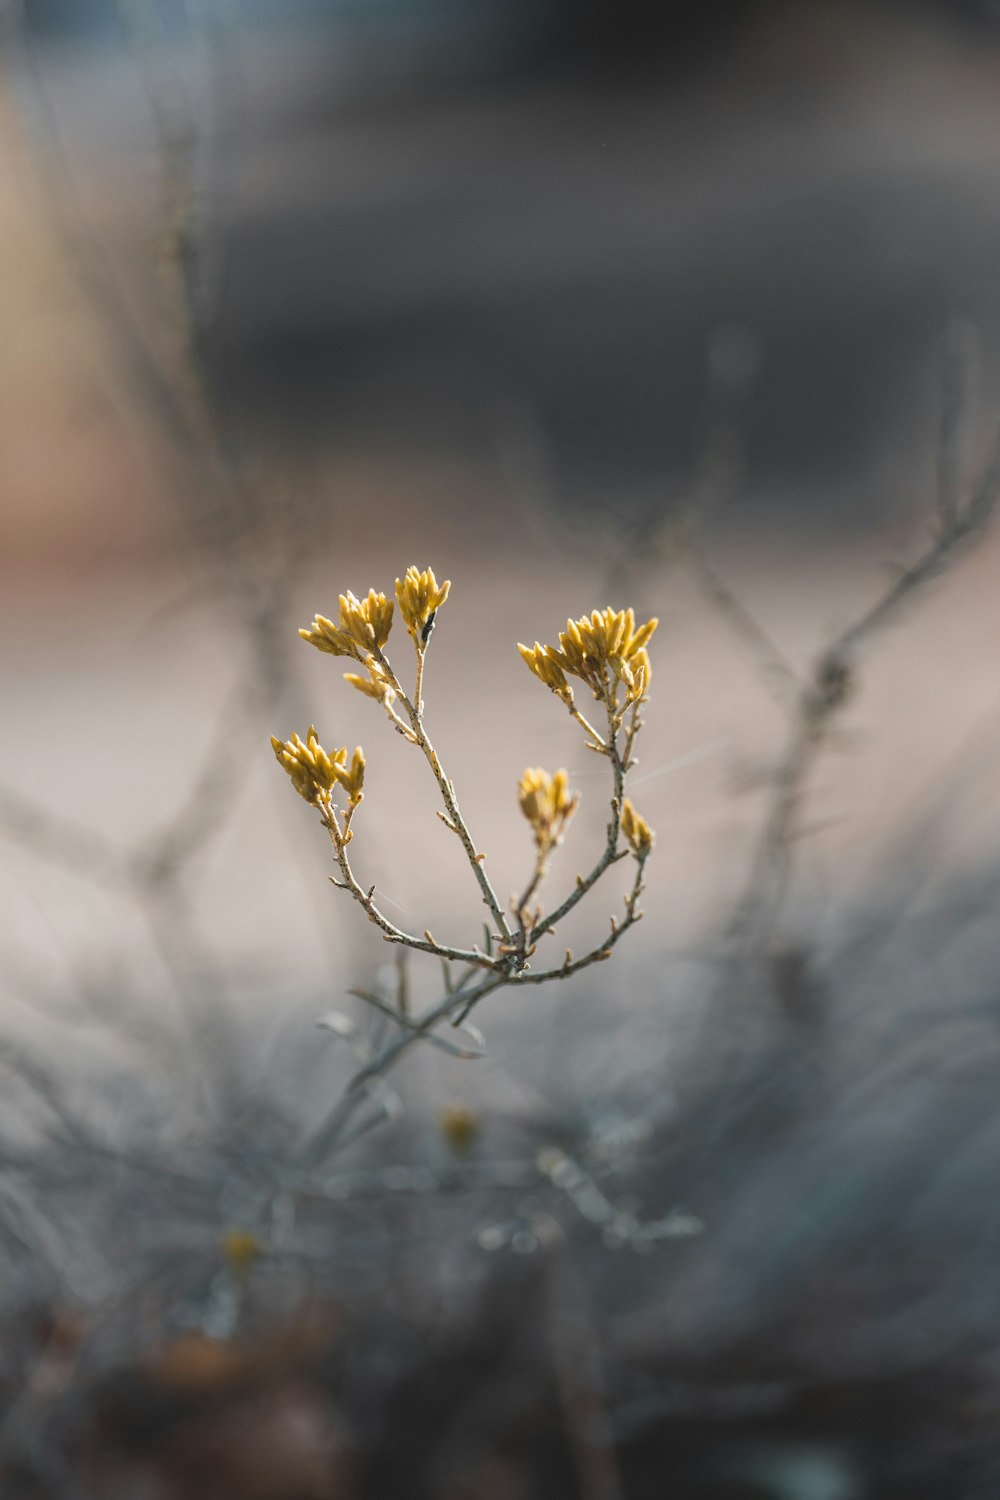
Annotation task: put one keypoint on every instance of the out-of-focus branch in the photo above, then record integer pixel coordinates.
(828, 688)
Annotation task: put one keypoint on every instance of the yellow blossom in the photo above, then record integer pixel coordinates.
(636, 830)
(642, 674)
(548, 805)
(314, 772)
(353, 779)
(325, 636)
(366, 621)
(547, 670)
(364, 626)
(601, 643)
(376, 685)
(420, 596)
(605, 639)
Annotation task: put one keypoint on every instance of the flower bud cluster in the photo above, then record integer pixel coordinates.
(315, 772)
(548, 805)
(601, 649)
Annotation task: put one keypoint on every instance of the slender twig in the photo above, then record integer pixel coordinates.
(520, 903)
(611, 852)
(966, 528)
(520, 907)
(778, 673)
(406, 1024)
(475, 857)
(829, 686)
(354, 1093)
(599, 741)
(635, 724)
(418, 687)
(55, 837)
(366, 899)
(618, 931)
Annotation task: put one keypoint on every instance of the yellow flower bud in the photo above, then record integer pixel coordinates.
(547, 670)
(325, 636)
(366, 621)
(240, 1248)
(635, 830)
(548, 805)
(364, 626)
(313, 771)
(352, 780)
(591, 647)
(376, 685)
(459, 1126)
(420, 596)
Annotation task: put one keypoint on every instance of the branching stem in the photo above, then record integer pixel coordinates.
(456, 1005)
(611, 851)
(366, 899)
(596, 955)
(448, 796)
(821, 697)
(585, 723)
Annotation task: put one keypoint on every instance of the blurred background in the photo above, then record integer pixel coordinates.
(691, 307)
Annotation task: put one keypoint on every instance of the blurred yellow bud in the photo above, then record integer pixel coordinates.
(459, 1126)
(548, 805)
(636, 830)
(353, 779)
(240, 1249)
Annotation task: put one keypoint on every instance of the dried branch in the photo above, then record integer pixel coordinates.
(447, 789)
(828, 688)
